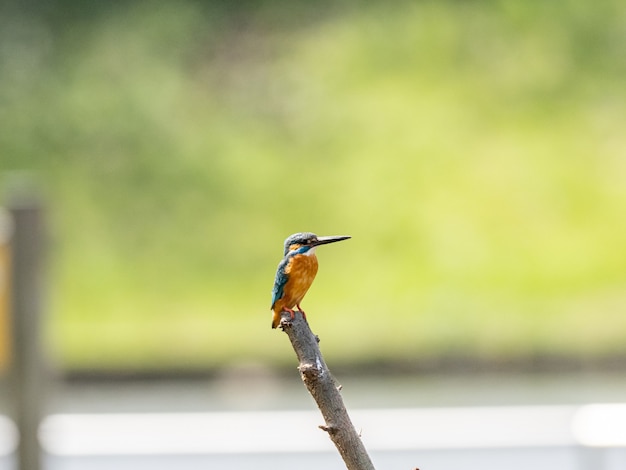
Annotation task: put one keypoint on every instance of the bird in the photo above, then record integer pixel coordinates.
(296, 272)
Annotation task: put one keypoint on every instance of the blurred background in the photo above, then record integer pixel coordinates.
(475, 151)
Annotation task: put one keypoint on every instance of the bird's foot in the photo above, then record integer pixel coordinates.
(287, 322)
(302, 312)
(290, 312)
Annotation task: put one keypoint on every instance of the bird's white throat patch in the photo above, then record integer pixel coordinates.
(310, 251)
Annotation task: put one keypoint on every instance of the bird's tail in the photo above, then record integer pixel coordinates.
(275, 319)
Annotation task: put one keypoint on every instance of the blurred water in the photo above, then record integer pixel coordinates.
(261, 390)
(252, 389)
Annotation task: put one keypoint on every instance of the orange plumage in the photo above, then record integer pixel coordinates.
(301, 270)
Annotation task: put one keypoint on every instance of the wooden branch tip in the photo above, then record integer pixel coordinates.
(287, 320)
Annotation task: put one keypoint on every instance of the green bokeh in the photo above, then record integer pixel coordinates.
(474, 150)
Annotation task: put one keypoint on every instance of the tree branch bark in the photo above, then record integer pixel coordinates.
(322, 387)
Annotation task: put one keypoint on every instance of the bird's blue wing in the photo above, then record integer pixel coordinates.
(279, 282)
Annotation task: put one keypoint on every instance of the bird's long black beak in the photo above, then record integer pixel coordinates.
(326, 240)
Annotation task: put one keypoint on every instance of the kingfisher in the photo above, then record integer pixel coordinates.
(296, 272)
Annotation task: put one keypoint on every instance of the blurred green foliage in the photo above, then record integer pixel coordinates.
(474, 150)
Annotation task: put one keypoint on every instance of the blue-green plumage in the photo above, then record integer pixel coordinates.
(279, 282)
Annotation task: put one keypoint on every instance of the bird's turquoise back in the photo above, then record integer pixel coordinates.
(279, 282)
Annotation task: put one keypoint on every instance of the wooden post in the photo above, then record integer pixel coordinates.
(322, 387)
(6, 232)
(26, 377)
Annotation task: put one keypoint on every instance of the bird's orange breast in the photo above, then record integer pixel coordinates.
(301, 270)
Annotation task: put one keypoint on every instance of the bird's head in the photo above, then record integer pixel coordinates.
(305, 241)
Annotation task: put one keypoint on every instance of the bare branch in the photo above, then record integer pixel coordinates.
(325, 391)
